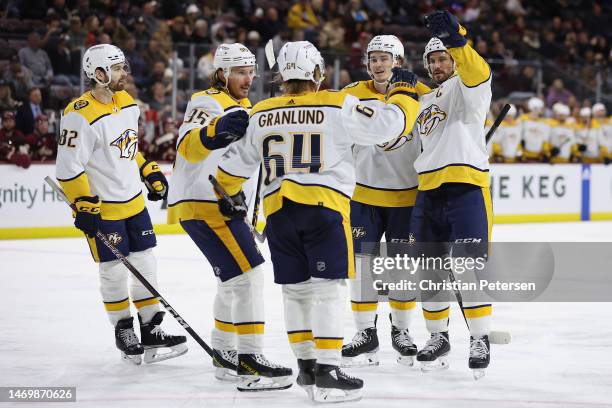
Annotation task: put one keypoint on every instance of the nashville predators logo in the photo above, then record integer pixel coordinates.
(429, 119)
(397, 143)
(114, 238)
(358, 232)
(127, 144)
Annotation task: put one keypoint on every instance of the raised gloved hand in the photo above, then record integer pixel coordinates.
(87, 215)
(234, 206)
(404, 78)
(155, 180)
(446, 27)
(222, 131)
(582, 148)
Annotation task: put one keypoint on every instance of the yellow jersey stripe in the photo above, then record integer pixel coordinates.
(477, 311)
(453, 173)
(117, 306)
(224, 326)
(363, 306)
(382, 197)
(471, 67)
(299, 336)
(436, 315)
(75, 187)
(119, 210)
(402, 305)
(145, 302)
(191, 147)
(328, 342)
(249, 328)
(193, 210)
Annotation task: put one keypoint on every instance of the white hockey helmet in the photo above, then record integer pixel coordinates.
(512, 111)
(228, 56)
(599, 107)
(433, 45)
(384, 43)
(535, 104)
(561, 109)
(102, 56)
(585, 112)
(299, 60)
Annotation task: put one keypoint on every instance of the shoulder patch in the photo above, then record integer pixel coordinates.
(212, 91)
(351, 85)
(80, 104)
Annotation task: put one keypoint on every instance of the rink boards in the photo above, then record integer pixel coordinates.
(521, 193)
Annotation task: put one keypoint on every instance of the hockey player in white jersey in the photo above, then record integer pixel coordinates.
(562, 135)
(535, 132)
(381, 204)
(605, 122)
(100, 170)
(215, 118)
(304, 139)
(454, 203)
(588, 137)
(507, 139)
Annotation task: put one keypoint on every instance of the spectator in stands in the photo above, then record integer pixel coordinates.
(180, 32)
(148, 13)
(92, 30)
(271, 25)
(65, 63)
(142, 34)
(200, 34)
(165, 144)
(43, 146)
(138, 66)
(13, 147)
(159, 100)
(30, 110)
(154, 54)
(301, 17)
(6, 100)
(557, 93)
(357, 12)
(20, 78)
(37, 61)
(253, 41)
(76, 34)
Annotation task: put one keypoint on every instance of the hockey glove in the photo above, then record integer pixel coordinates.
(87, 215)
(446, 27)
(545, 158)
(582, 148)
(154, 179)
(222, 131)
(554, 152)
(403, 78)
(607, 160)
(234, 206)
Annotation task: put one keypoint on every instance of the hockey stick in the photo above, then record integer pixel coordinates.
(495, 337)
(135, 272)
(221, 191)
(271, 59)
(498, 121)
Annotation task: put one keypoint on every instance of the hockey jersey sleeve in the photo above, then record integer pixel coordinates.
(475, 75)
(378, 124)
(238, 162)
(75, 146)
(200, 113)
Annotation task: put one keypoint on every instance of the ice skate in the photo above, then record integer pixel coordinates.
(404, 345)
(480, 356)
(333, 385)
(226, 363)
(306, 376)
(433, 356)
(156, 342)
(258, 374)
(127, 341)
(362, 350)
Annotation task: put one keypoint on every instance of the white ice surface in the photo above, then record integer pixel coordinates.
(54, 332)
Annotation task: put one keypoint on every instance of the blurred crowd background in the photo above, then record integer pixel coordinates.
(555, 50)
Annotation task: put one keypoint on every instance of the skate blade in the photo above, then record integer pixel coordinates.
(335, 395)
(362, 360)
(478, 373)
(226, 375)
(406, 360)
(153, 354)
(131, 359)
(255, 383)
(309, 390)
(441, 363)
